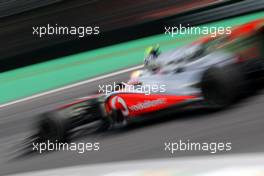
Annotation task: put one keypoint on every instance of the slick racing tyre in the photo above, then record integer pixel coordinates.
(53, 127)
(221, 86)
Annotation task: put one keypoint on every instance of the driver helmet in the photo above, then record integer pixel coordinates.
(151, 54)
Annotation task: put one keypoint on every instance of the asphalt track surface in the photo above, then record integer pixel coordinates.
(242, 124)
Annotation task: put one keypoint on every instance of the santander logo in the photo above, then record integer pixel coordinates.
(120, 102)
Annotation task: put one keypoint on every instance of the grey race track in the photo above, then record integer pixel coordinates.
(243, 125)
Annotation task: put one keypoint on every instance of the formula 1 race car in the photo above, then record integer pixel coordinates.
(211, 72)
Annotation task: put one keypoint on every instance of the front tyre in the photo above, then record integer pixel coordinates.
(221, 86)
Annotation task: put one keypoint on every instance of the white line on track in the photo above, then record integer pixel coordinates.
(71, 86)
(228, 165)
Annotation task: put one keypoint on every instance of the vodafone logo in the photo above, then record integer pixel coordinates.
(120, 102)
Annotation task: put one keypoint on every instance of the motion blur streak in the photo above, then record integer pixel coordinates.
(134, 150)
(242, 165)
(72, 86)
(130, 143)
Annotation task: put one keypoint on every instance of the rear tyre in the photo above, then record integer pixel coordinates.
(118, 119)
(221, 86)
(53, 127)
